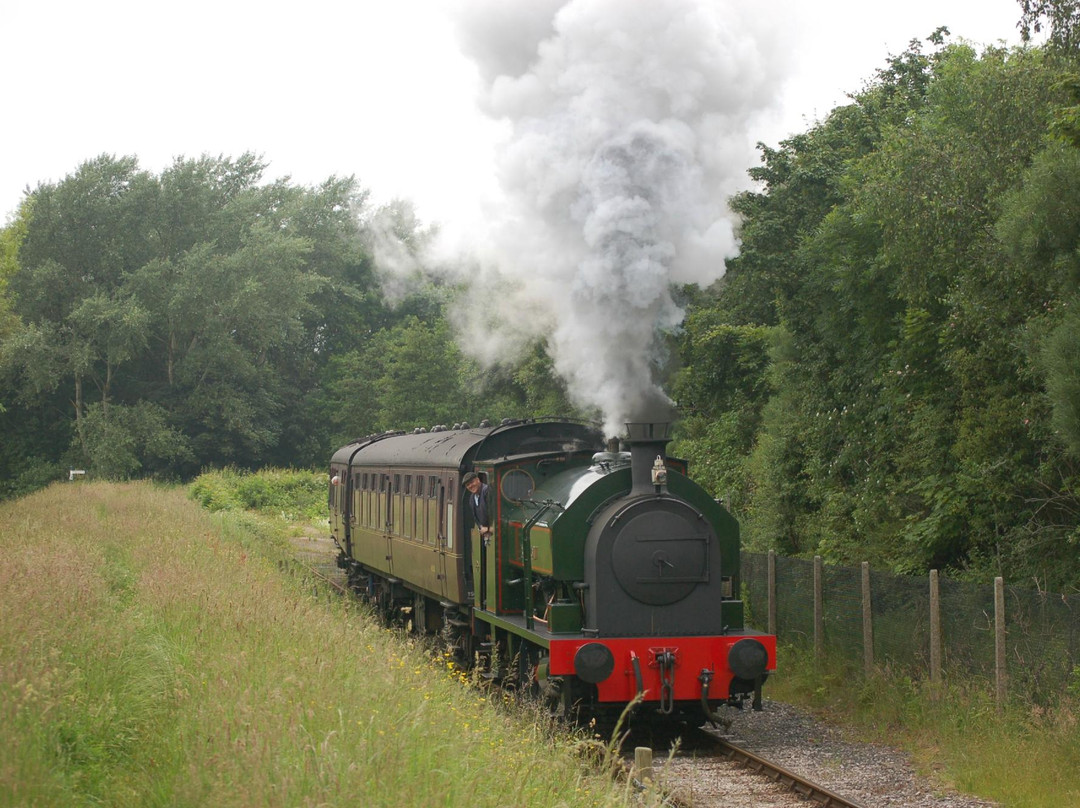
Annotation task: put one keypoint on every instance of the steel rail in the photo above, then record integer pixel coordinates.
(800, 785)
(313, 569)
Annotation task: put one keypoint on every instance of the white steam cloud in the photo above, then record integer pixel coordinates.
(629, 126)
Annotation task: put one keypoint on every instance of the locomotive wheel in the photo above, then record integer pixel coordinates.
(358, 582)
(569, 701)
(458, 639)
(528, 668)
(384, 603)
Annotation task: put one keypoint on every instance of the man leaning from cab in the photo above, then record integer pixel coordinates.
(480, 501)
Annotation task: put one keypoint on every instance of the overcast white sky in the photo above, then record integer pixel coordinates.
(373, 88)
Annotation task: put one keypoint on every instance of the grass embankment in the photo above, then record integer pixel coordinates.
(152, 653)
(1025, 757)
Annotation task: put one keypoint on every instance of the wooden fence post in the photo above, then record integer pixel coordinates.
(867, 623)
(643, 762)
(819, 610)
(772, 592)
(1001, 674)
(935, 632)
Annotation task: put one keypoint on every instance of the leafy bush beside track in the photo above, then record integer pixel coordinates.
(291, 493)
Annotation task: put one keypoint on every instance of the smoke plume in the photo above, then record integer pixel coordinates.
(629, 126)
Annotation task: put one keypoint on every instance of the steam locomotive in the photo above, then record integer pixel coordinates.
(608, 576)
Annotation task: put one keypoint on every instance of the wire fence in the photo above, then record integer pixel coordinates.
(1023, 640)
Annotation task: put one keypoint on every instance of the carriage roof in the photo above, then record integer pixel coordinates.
(460, 447)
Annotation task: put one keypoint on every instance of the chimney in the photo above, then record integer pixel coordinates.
(647, 442)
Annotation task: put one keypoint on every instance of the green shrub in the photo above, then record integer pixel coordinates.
(289, 493)
(34, 474)
(216, 490)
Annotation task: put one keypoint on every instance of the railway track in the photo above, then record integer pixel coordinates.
(805, 788)
(328, 573)
(700, 745)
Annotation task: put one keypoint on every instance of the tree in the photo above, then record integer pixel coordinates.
(913, 376)
(1063, 17)
(124, 441)
(1040, 227)
(181, 309)
(11, 238)
(81, 238)
(410, 375)
(807, 274)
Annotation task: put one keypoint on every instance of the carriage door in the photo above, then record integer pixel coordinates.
(397, 515)
(445, 526)
(433, 535)
(386, 499)
(349, 516)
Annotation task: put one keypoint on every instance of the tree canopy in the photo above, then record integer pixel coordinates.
(203, 317)
(895, 347)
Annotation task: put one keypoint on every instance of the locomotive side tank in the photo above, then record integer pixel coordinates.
(610, 575)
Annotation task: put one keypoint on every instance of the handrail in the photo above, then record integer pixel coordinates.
(526, 556)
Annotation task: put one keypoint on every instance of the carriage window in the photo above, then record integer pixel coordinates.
(408, 484)
(382, 483)
(397, 482)
(433, 486)
(363, 483)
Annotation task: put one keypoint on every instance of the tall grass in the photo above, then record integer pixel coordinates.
(1022, 757)
(152, 654)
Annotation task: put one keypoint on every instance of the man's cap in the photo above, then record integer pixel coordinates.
(468, 478)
